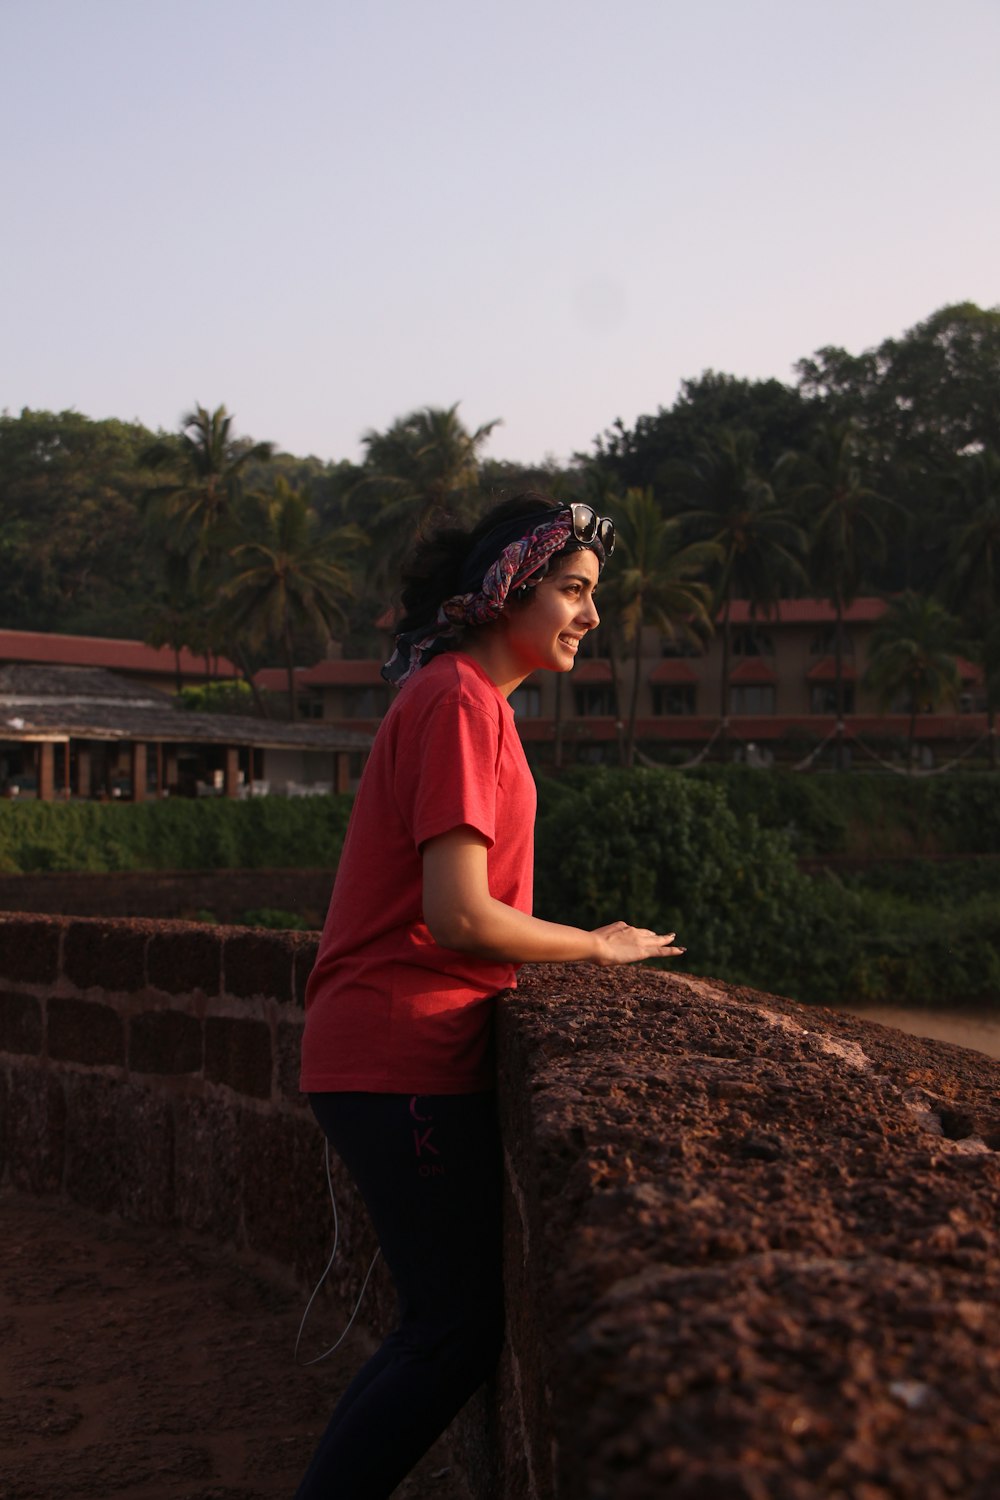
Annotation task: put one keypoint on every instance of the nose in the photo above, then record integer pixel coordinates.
(589, 613)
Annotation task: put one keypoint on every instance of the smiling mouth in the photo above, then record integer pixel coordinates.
(572, 641)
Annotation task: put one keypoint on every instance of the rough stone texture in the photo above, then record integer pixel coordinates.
(305, 959)
(29, 950)
(92, 1165)
(288, 1044)
(238, 1053)
(257, 963)
(20, 1024)
(106, 955)
(764, 1256)
(208, 1162)
(83, 1031)
(165, 1041)
(36, 1130)
(184, 960)
(144, 1154)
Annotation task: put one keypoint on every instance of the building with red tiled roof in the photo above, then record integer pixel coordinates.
(157, 666)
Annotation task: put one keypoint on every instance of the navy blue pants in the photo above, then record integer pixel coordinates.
(429, 1170)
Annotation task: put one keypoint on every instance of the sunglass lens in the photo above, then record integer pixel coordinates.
(606, 535)
(584, 523)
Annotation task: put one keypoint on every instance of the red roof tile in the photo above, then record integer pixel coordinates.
(808, 612)
(825, 670)
(673, 669)
(100, 651)
(324, 674)
(594, 669)
(753, 670)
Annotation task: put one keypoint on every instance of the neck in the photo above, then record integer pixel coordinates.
(488, 648)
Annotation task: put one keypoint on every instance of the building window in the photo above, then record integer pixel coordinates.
(674, 698)
(752, 698)
(526, 701)
(825, 643)
(595, 700)
(310, 705)
(752, 642)
(365, 702)
(823, 698)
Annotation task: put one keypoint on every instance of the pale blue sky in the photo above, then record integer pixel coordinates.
(325, 213)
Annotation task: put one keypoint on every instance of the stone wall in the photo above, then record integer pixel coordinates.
(751, 1250)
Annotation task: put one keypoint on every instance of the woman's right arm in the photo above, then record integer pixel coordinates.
(461, 914)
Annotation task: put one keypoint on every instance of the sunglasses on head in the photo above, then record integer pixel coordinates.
(589, 527)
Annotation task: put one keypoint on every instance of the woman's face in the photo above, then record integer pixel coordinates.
(546, 631)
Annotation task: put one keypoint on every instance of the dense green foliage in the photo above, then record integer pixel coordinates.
(867, 814)
(210, 834)
(713, 858)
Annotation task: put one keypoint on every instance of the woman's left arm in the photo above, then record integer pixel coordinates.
(461, 914)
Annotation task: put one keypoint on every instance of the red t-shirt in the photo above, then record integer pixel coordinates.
(387, 1009)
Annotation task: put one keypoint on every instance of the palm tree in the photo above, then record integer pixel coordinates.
(192, 509)
(839, 512)
(657, 581)
(425, 465)
(730, 505)
(288, 576)
(913, 650)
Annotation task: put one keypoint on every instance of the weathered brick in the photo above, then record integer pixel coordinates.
(29, 949)
(305, 961)
(164, 1041)
(110, 955)
(208, 1166)
(238, 1053)
(20, 1024)
(288, 1045)
(81, 1031)
(286, 1206)
(144, 1152)
(258, 963)
(92, 1167)
(184, 961)
(36, 1130)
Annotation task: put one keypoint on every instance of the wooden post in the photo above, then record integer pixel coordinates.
(232, 771)
(66, 786)
(46, 771)
(138, 771)
(341, 771)
(83, 770)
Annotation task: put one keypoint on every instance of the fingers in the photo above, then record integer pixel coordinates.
(629, 945)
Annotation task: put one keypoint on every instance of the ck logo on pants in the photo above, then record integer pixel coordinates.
(423, 1146)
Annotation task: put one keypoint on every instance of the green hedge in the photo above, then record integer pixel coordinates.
(867, 813)
(208, 834)
(674, 852)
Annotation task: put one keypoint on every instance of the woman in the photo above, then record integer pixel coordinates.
(431, 912)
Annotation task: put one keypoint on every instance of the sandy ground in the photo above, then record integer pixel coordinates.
(149, 1365)
(981, 1032)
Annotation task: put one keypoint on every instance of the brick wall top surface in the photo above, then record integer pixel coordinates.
(29, 948)
(781, 1219)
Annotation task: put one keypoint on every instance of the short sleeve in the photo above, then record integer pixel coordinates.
(449, 779)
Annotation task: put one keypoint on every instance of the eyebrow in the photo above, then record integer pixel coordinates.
(578, 578)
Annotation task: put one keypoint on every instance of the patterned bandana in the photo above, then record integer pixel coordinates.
(518, 561)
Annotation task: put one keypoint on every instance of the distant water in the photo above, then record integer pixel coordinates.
(979, 1030)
